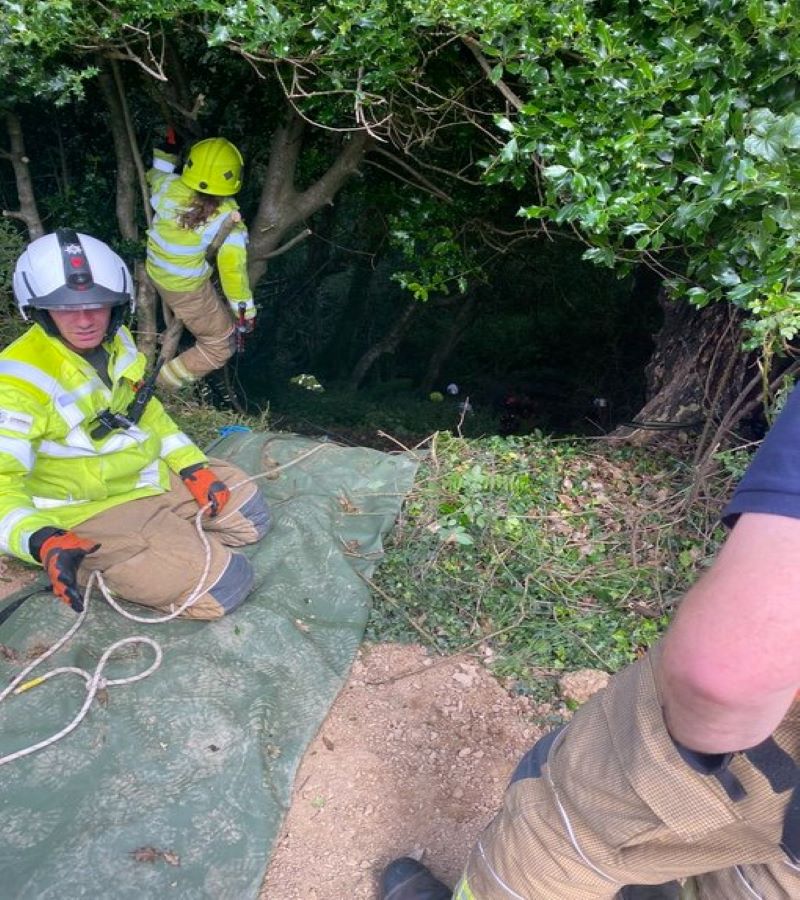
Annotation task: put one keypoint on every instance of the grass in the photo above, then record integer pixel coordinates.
(547, 554)
(203, 422)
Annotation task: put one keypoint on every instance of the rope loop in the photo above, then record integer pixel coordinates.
(96, 681)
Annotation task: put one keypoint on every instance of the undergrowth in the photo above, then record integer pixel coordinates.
(205, 423)
(547, 554)
(543, 554)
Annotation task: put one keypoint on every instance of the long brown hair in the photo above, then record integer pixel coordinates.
(202, 208)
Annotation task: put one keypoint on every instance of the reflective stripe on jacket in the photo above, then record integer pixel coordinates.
(176, 256)
(52, 471)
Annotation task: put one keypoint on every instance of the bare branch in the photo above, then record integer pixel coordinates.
(133, 143)
(289, 244)
(132, 57)
(441, 171)
(15, 214)
(28, 210)
(190, 114)
(359, 108)
(418, 177)
(398, 177)
(291, 95)
(505, 90)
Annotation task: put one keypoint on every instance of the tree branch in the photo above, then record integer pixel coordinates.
(125, 193)
(289, 244)
(28, 210)
(345, 165)
(134, 146)
(475, 48)
(418, 177)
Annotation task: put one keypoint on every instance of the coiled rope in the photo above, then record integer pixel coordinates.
(95, 680)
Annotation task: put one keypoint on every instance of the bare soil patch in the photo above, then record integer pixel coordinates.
(412, 759)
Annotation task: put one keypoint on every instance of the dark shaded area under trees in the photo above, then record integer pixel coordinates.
(429, 188)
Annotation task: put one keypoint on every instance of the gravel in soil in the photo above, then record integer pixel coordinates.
(412, 759)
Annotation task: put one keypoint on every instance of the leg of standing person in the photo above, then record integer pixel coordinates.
(209, 319)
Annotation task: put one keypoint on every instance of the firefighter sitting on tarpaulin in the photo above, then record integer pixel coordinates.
(84, 487)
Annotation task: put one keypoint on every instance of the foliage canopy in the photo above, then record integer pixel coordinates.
(658, 130)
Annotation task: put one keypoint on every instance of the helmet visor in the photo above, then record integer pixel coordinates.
(65, 296)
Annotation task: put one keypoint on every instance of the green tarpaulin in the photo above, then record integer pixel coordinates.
(175, 786)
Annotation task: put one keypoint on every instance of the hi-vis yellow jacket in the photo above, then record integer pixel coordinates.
(176, 256)
(52, 472)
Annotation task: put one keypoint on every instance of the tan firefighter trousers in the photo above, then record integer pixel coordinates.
(610, 801)
(209, 319)
(150, 552)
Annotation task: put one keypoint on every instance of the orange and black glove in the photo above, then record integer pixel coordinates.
(61, 553)
(206, 487)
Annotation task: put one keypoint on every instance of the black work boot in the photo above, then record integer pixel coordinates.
(669, 891)
(407, 879)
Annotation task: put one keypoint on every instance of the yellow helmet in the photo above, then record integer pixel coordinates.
(214, 166)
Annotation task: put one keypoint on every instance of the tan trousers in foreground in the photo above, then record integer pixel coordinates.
(151, 552)
(609, 801)
(210, 321)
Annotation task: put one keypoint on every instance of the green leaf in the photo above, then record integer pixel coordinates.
(697, 295)
(789, 129)
(635, 228)
(762, 148)
(504, 124)
(602, 255)
(727, 277)
(534, 212)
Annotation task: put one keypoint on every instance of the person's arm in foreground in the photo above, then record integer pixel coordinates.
(731, 661)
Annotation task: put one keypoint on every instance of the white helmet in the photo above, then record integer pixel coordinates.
(68, 270)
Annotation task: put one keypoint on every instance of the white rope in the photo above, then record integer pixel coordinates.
(95, 681)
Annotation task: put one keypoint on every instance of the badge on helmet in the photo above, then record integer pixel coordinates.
(67, 270)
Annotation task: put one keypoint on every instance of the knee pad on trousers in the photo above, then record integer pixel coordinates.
(234, 584)
(258, 514)
(530, 766)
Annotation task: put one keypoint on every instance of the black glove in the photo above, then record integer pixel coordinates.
(61, 553)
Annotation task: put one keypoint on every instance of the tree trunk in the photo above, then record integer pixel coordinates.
(282, 207)
(449, 342)
(696, 373)
(28, 211)
(387, 344)
(146, 323)
(126, 187)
